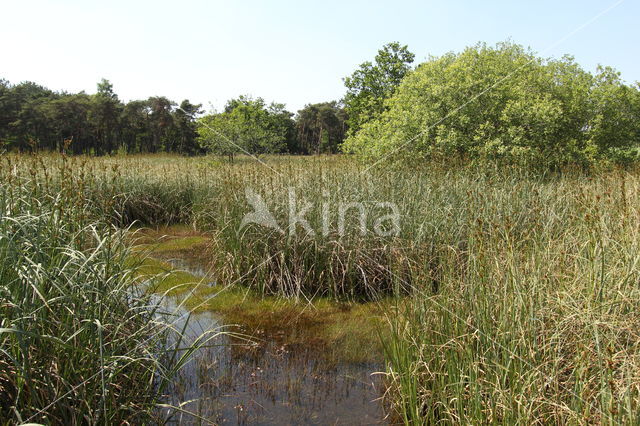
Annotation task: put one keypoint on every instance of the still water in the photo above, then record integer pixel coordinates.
(267, 382)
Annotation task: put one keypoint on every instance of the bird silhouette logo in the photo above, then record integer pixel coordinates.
(260, 214)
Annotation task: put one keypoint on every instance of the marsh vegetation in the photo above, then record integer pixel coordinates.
(476, 243)
(506, 295)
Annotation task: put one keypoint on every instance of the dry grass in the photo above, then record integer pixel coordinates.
(524, 285)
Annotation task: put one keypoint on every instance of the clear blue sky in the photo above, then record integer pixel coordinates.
(295, 52)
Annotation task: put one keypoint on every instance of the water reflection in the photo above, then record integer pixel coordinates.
(232, 381)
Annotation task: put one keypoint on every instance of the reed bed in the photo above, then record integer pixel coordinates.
(517, 289)
(80, 343)
(536, 315)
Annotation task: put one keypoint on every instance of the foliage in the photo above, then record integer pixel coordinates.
(35, 118)
(81, 342)
(371, 84)
(522, 287)
(247, 126)
(321, 128)
(614, 128)
(504, 102)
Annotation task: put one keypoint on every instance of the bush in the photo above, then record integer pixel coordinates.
(504, 102)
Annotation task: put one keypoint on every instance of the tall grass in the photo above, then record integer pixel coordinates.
(523, 286)
(78, 343)
(536, 315)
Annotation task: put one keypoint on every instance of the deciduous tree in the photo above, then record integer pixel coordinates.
(372, 83)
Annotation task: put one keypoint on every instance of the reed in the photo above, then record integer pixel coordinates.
(80, 343)
(517, 288)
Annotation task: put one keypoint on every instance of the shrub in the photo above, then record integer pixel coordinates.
(504, 102)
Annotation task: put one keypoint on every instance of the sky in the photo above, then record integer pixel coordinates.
(288, 51)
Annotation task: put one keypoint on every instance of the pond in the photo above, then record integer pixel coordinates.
(258, 375)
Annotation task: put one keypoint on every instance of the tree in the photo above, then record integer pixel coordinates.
(68, 116)
(320, 127)
(614, 121)
(26, 127)
(372, 83)
(247, 125)
(135, 126)
(33, 117)
(185, 129)
(503, 102)
(104, 116)
(6, 111)
(282, 123)
(160, 123)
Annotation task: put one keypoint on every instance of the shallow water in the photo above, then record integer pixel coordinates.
(232, 381)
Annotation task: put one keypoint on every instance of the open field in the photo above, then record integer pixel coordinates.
(509, 295)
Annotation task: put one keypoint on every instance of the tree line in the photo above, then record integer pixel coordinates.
(498, 102)
(249, 125)
(33, 117)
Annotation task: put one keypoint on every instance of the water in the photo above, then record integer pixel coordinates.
(267, 382)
